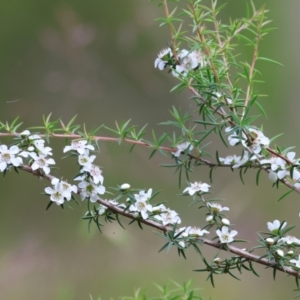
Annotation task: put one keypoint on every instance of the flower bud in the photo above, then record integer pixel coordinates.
(209, 218)
(270, 241)
(280, 252)
(217, 260)
(125, 186)
(225, 222)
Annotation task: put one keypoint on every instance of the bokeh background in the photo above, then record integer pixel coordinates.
(95, 59)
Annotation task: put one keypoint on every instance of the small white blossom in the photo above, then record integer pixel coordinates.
(79, 145)
(181, 244)
(296, 262)
(216, 207)
(85, 159)
(143, 195)
(8, 156)
(194, 231)
(159, 209)
(273, 227)
(168, 217)
(197, 187)
(230, 160)
(94, 172)
(102, 209)
(290, 240)
(66, 188)
(88, 189)
(182, 147)
(225, 235)
(41, 149)
(56, 194)
(141, 206)
(184, 232)
(163, 58)
(41, 162)
(188, 61)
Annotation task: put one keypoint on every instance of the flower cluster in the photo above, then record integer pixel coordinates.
(279, 168)
(186, 61)
(140, 205)
(189, 234)
(90, 177)
(61, 191)
(31, 147)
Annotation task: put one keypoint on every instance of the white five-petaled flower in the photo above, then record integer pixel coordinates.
(182, 147)
(296, 262)
(143, 195)
(8, 156)
(66, 188)
(168, 216)
(88, 189)
(80, 146)
(41, 162)
(40, 148)
(289, 240)
(216, 207)
(188, 61)
(56, 194)
(141, 206)
(197, 187)
(94, 172)
(225, 235)
(163, 58)
(274, 226)
(85, 159)
(194, 231)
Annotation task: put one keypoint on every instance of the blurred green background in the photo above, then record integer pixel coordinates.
(95, 59)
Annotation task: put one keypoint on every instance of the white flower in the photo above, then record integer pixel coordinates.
(66, 188)
(158, 209)
(162, 59)
(242, 161)
(188, 61)
(290, 240)
(79, 145)
(296, 262)
(197, 187)
(230, 160)
(88, 189)
(7, 157)
(94, 172)
(141, 206)
(56, 194)
(85, 160)
(234, 138)
(194, 231)
(216, 207)
(41, 162)
(259, 139)
(182, 147)
(273, 227)
(225, 235)
(184, 232)
(143, 196)
(102, 209)
(41, 149)
(181, 244)
(168, 217)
